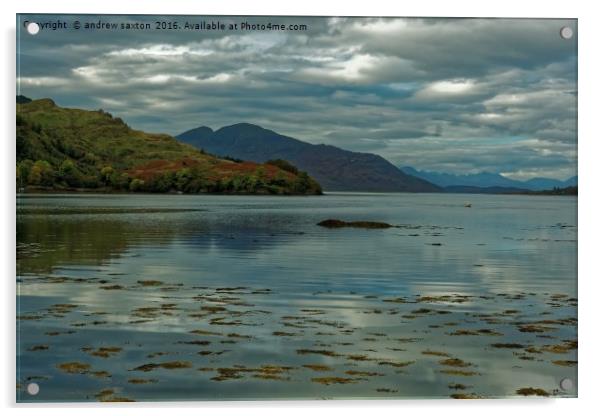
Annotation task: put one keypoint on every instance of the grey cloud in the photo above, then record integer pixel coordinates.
(439, 94)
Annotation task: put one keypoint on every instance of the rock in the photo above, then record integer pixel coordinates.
(334, 223)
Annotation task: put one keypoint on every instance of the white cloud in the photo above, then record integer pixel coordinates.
(380, 27)
(42, 81)
(162, 50)
(359, 68)
(446, 89)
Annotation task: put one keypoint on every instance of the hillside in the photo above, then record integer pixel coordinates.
(334, 168)
(62, 148)
(488, 180)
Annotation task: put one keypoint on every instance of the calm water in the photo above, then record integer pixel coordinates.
(173, 297)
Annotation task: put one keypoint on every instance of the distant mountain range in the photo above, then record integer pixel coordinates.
(494, 181)
(334, 168)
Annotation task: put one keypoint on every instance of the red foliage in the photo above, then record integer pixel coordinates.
(150, 169)
(221, 170)
(249, 168)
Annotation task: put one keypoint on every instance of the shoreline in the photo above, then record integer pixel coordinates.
(84, 191)
(101, 191)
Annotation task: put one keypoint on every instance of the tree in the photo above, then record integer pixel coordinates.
(22, 147)
(23, 170)
(303, 183)
(136, 185)
(183, 178)
(105, 174)
(161, 182)
(66, 168)
(284, 165)
(260, 172)
(90, 158)
(119, 180)
(68, 172)
(279, 180)
(41, 173)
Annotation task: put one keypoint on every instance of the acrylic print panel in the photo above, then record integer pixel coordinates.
(230, 208)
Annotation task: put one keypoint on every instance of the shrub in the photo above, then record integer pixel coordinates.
(41, 173)
(136, 185)
(284, 165)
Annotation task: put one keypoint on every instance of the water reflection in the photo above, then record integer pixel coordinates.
(45, 242)
(242, 297)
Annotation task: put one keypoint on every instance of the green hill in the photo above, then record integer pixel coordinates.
(71, 149)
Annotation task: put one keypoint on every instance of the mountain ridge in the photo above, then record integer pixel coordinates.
(488, 180)
(334, 168)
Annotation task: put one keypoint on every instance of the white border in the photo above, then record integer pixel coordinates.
(590, 288)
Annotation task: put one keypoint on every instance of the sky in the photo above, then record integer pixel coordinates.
(450, 95)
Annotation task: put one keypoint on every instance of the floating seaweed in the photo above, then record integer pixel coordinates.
(150, 283)
(455, 362)
(57, 333)
(360, 359)
(105, 393)
(327, 381)
(74, 367)
(169, 365)
(142, 380)
(455, 298)
(455, 372)
(204, 332)
(509, 345)
(471, 332)
(535, 328)
(38, 348)
(266, 372)
(195, 342)
(363, 373)
(103, 352)
(112, 287)
(318, 367)
(465, 396)
(530, 391)
(565, 363)
(563, 348)
(319, 352)
(435, 353)
(457, 386)
(396, 363)
(285, 334)
(100, 374)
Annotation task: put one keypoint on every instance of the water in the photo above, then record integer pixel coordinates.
(174, 297)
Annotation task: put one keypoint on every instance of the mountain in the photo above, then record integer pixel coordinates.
(21, 99)
(334, 168)
(464, 189)
(459, 189)
(64, 148)
(571, 182)
(488, 180)
(196, 137)
(538, 184)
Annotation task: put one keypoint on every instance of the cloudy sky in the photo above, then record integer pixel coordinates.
(452, 95)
